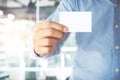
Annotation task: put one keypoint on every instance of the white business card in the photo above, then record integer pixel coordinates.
(76, 21)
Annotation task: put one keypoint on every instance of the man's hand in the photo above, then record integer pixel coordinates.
(47, 34)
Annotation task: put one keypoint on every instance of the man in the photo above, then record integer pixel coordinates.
(98, 54)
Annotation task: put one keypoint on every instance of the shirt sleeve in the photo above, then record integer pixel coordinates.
(65, 5)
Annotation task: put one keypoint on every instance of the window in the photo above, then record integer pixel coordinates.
(17, 22)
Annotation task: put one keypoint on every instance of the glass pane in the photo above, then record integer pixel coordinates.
(31, 75)
(16, 27)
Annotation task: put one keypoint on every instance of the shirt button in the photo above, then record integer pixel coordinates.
(117, 47)
(116, 26)
(116, 70)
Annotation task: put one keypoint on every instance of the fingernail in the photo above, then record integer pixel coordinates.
(65, 29)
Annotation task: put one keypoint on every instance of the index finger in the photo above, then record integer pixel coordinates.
(51, 24)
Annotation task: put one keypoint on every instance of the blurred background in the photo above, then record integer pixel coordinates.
(17, 23)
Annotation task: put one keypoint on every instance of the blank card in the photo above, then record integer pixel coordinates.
(76, 21)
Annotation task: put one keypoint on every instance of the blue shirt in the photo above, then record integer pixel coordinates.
(98, 53)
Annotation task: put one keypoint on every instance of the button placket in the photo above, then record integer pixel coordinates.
(116, 40)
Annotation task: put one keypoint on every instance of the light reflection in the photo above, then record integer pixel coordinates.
(11, 16)
(1, 13)
(14, 36)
